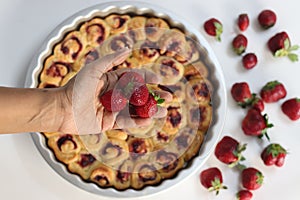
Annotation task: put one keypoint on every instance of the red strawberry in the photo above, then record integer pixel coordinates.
(113, 100)
(239, 44)
(291, 108)
(256, 124)
(249, 60)
(214, 27)
(280, 45)
(241, 93)
(130, 77)
(212, 179)
(273, 154)
(252, 178)
(258, 104)
(229, 151)
(267, 18)
(273, 91)
(243, 22)
(139, 95)
(244, 195)
(150, 108)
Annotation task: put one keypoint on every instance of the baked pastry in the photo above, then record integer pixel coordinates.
(169, 70)
(96, 31)
(140, 156)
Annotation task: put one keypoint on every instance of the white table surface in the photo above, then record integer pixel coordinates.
(24, 25)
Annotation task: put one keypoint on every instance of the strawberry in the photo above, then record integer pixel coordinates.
(130, 77)
(243, 22)
(239, 44)
(273, 91)
(229, 151)
(257, 103)
(214, 27)
(139, 95)
(256, 124)
(273, 154)
(241, 93)
(150, 108)
(113, 100)
(252, 178)
(249, 60)
(244, 195)
(212, 179)
(267, 19)
(291, 108)
(280, 45)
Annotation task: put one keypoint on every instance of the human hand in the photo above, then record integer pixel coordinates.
(82, 111)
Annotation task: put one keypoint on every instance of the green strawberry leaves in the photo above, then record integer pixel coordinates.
(219, 30)
(287, 51)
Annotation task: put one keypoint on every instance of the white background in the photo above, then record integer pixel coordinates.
(24, 24)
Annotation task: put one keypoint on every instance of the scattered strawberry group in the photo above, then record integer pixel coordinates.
(255, 123)
(131, 90)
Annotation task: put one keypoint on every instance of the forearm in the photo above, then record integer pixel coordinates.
(29, 110)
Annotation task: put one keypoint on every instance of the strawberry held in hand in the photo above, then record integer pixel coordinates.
(273, 154)
(280, 45)
(214, 27)
(273, 91)
(229, 151)
(241, 93)
(150, 108)
(252, 178)
(291, 108)
(256, 124)
(113, 100)
(239, 44)
(212, 179)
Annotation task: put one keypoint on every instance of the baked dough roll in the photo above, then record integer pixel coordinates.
(67, 78)
(167, 163)
(193, 150)
(172, 42)
(146, 52)
(198, 91)
(103, 176)
(136, 28)
(189, 53)
(118, 134)
(123, 175)
(141, 132)
(84, 164)
(182, 141)
(65, 147)
(90, 54)
(115, 43)
(200, 116)
(71, 47)
(177, 90)
(118, 23)
(139, 147)
(168, 69)
(93, 142)
(54, 71)
(114, 152)
(95, 31)
(155, 28)
(144, 173)
(195, 70)
(175, 119)
(161, 139)
(47, 85)
(130, 62)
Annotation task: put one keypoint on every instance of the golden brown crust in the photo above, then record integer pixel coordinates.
(118, 23)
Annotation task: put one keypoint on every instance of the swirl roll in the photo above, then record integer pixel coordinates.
(155, 28)
(65, 146)
(103, 176)
(118, 23)
(95, 31)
